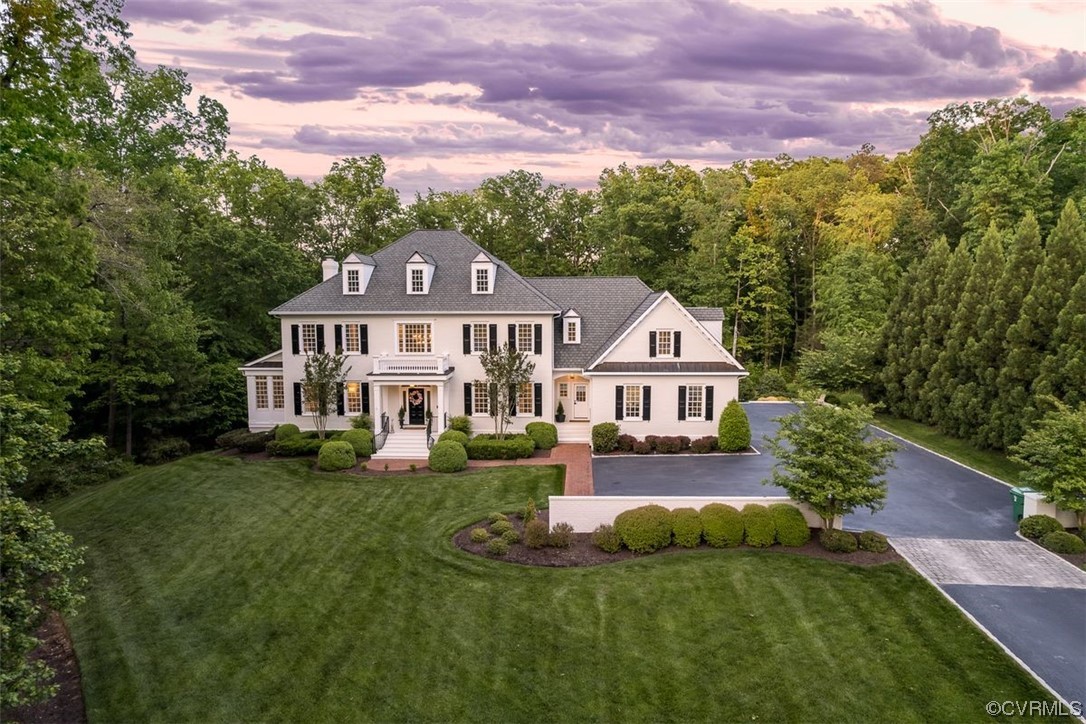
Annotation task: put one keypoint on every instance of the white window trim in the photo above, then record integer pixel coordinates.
(670, 343)
(528, 388)
(280, 401)
(626, 403)
(701, 416)
(565, 330)
(262, 390)
(475, 411)
(396, 331)
(357, 338)
(301, 341)
(486, 338)
(485, 271)
(411, 269)
(531, 337)
(347, 397)
(354, 276)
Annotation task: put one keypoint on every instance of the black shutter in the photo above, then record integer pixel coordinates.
(652, 344)
(366, 398)
(493, 337)
(320, 338)
(467, 339)
(363, 339)
(297, 398)
(618, 402)
(682, 402)
(646, 403)
(294, 339)
(340, 407)
(467, 398)
(708, 402)
(512, 400)
(677, 344)
(513, 335)
(539, 339)
(339, 338)
(537, 393)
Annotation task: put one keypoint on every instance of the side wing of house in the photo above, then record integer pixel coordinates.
(665, 373)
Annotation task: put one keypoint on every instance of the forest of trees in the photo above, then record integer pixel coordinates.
(140, 256)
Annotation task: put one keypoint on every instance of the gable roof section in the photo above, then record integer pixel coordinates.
(706, 314)
(450, 290)
(604, 304)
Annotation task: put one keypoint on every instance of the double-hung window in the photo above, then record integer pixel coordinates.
(482, 280)
(414, 338)
(278, 399)
(525, 338)
(353, 283)
(480, 402)
(663, 343)
(695, 402)
(480, 337)
(632, 409)
(351, 339)
(354, 398)
(262, 393)
(573, 331)
(525, 399)
(309, 339)
(417, 283)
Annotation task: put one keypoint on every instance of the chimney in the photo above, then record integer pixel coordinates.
(330, 267)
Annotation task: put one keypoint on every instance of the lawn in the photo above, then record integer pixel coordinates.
(221, 590)
(993, 462)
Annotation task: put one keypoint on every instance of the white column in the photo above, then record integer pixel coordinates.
(439, 414)
(376, 405)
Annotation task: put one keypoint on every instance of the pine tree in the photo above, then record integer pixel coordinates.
(938, 315)
(1063, 373)
(1029, 338)
(950, 386)
(987, 356)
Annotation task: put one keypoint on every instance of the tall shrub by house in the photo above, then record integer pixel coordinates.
(733, 431)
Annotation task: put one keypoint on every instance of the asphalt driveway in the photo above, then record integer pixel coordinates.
(928, 495)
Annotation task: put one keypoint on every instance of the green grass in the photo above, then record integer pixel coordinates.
(223, 590)
(993, 462)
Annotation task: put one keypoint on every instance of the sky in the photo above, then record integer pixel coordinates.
(450, 92)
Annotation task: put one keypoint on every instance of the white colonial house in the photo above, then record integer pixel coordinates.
(413, 319)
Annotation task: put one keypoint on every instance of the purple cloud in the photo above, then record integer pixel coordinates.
(1064, 72)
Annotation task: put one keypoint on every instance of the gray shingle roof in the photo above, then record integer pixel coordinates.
(607, 305)
(450, 290)
(673, 367)
(706, 314)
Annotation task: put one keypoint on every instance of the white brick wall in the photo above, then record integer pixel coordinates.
(586, 512)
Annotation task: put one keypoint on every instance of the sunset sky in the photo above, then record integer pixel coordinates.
(452, 92)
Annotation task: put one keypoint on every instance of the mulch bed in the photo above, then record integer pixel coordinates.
(57, 652)
(584, 553)
(1078, 559)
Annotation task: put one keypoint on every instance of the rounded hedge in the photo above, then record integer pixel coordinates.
(282, 432)
(455, 436)
(497, 547)
(1038, 526)
(1060, 541)
(500, 526)
(792, 528)
(837, 541)
(604, 437)
(336, 455)
(759, 530)
(722, 525)
(733, 431)
(360, 439)
(873, 542)
(686, 527)
(479, 535)
(485, 447)
(448, 457)
(606, 539)
(645, 529)
(544, 434)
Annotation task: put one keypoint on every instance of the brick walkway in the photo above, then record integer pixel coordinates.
(989, 563)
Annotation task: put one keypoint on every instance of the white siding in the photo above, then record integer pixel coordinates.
(697, 343)
(665, 403)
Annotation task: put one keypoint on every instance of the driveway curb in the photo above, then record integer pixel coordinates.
(944, 457)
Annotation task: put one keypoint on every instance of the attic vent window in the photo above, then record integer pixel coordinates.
(573, 331)
(353, 284)
(482, 280)
(417, 281)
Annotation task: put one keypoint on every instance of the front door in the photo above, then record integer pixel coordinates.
(580, 401)
(416, 406)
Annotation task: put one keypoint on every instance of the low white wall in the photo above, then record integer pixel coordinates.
(586, 512)
(1034, 504)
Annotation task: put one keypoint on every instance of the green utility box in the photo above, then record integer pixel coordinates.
(1018, 501)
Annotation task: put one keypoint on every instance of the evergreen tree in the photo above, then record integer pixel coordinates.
(899, 336)
(950, 379)
(986, 356)
(1028, 340)
(1063, 371)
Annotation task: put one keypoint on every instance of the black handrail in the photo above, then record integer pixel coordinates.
(429, 432)
(380, 438)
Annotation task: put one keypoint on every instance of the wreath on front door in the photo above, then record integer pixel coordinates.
(415, 397)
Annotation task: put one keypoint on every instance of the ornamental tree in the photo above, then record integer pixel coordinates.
(506, 368)
(828, 459)
(1054, 453)
(324, 377)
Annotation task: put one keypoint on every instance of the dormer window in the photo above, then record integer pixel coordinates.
(357, 271)
(353, 281)
(483, 269)
(571, 327)
(420, 272)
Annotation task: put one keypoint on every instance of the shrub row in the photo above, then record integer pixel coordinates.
(652, 527)
(244, 440)
(485, 447)
(663, 444)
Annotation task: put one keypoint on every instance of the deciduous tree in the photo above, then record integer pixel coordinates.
(1054, 453)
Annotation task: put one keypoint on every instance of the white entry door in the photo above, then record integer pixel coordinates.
(580, 401)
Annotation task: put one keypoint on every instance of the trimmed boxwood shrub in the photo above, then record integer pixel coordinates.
(461, 423)
(500, 526)
(668, 444)
(544, 434)
(282, 432)
(1036, 527)
(759, 530)
(447, 457)
(336, 455)
(1060, 541)
(479, 535)
(686, 527)
(642, 448)
(455, 436)
(625, 443)
(561, 536)
(496, 516)
(704, 445)
(254, 442)
(497, 547)
(604, 437)
(873, 542)
(645, 529)
(792, 528)
(511, 536)
(837, 541)
(292, 447)
(485, 447)
(733, 431)
(536, 533)
(722, 525)
(361, 440)
(606, 539)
